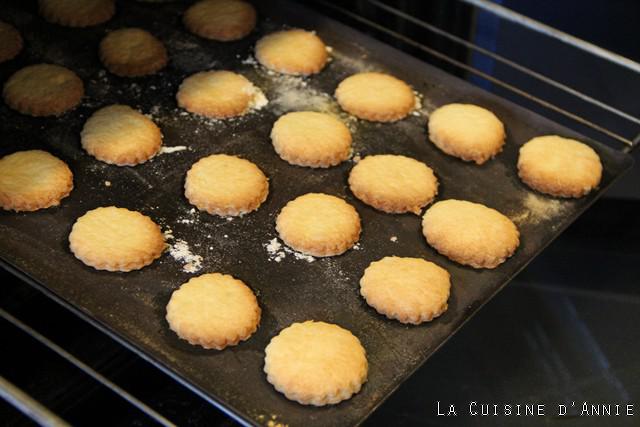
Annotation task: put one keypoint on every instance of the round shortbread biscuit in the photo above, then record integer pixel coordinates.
(43, 90)
(316, 363)
(120, 135)
(116, 239)
(470, 233)
(11, 42)
(467, 131)
(393, 184)
(32, 180)
(376, 97)
(296, 52)
(410, 290)
(132, 52)
(77, 13)
(226, 185)
(221, 20)
(307, 138)
(218, 94)
(319, 224)
(559, 166)
(214, 311)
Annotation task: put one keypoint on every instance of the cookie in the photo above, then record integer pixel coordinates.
(316, 363)
(219, 94)
(132, 52)
(77, 13)
(393, 184)
(296, 52)
(116, 239)
(410, 290)
(470, 233)
(376, 97)
(307, 138)
(214, 311)
(467, 131)
(559, 166)
(221, 20)
(120, 135)
(10, 42)
(43, 90)
(225, 185)
(32, 180)
(319, 224)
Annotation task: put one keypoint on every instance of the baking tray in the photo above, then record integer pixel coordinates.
(130, 307)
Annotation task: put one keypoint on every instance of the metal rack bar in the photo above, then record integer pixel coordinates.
(29, 406)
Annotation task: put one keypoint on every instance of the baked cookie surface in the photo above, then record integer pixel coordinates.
(467, 131)
(296, 52)
(77, 13)
(319, 224)
(470, 233)
(116, 239)
(307, 138)
(376, 97)
(32, 180)
(221, 20)
(43, 90)
(559, 166)
(393, 183)
(132, 52)
(11, 42)
(226, 185)
(214, 311)
(316, 363)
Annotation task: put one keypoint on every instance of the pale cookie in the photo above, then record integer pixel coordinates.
(116, 239)
(319, 224)
(32, 180)
(296, 52)
(307, 138)
(393, 184)
(225, 185)
(470, 233)
(132, 52)
(10, 42)
(43, 90)
(77, 13)
(218, 94)
(214, 311)
(410, 290)
(467, 131)
(222, 20)
(376, 97)
(316, 363)
(559, 166)
(120, 135)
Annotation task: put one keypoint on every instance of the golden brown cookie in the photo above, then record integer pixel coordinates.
(77, 13)
(222, 20)
(116, 239)
(296, 52)
(307, 138)
(376, 97)
(393, 184)
(226, 185)
(10, 42)
(319, 224)
(559, 166)
(120, 135)
(43, 90)
(132, 52)
(218, 94)
(467, 131)
(470, 233)
(411, 290)
(316, 363)
(214, 311)
(32, 180)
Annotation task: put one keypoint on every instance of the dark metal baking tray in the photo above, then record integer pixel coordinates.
(130, 307)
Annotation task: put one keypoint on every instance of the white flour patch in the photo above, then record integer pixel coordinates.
(538, 209)
(107, 183)
(277, 252)
(181, 252)
(394, 239)
(174, 149)
(294, 94)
